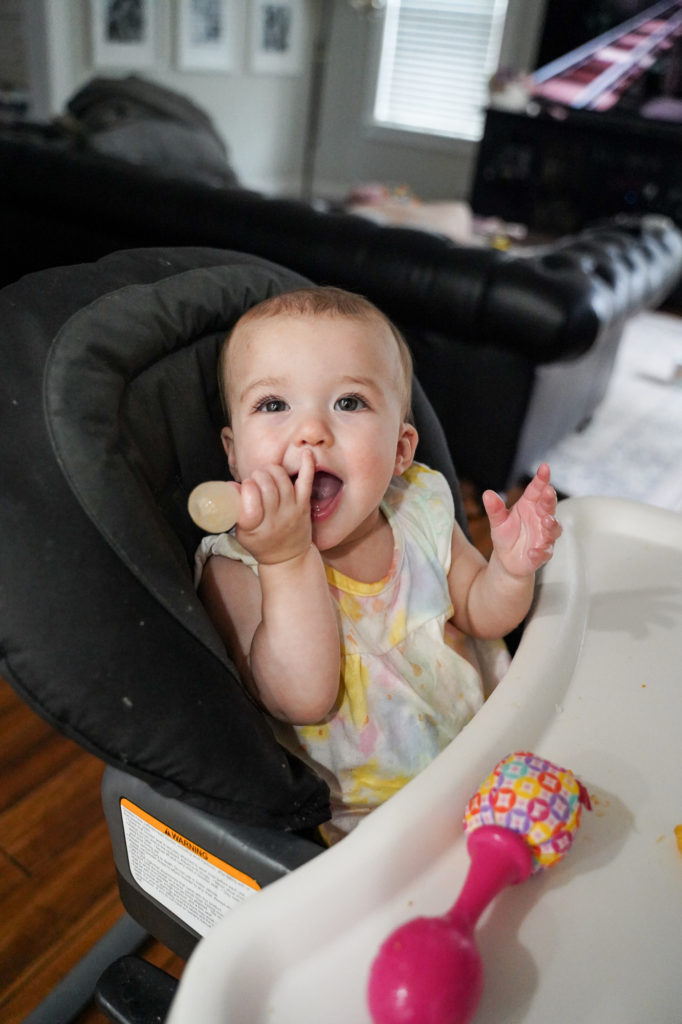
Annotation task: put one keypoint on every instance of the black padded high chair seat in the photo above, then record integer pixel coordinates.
(112, 415)
(109, 375)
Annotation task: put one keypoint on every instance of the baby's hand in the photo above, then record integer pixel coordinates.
(523, 537)
(274, 523)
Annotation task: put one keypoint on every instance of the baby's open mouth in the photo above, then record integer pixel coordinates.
(323, 494)
(325, 487)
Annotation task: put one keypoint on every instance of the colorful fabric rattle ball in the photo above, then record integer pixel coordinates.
(535, 798)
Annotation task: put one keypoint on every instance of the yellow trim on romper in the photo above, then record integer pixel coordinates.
(351, 586)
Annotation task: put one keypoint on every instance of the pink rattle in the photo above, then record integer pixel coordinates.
(522, 819)
(214, 505)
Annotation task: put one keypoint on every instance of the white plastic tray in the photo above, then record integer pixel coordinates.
(596, 686)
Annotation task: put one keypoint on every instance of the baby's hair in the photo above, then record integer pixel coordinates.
(320, 301)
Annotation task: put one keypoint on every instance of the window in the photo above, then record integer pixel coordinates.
(436, 59)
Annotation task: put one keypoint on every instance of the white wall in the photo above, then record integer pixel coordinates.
(260, 117)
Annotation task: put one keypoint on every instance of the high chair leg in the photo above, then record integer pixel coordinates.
(67, 999)
(133, 991)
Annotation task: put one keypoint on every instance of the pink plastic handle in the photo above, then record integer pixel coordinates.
(429, 970)
(499, 857)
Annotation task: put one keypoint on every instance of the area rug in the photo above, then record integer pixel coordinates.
(632, 448)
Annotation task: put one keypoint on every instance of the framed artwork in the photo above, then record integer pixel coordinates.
(206, 35)
(123, 33)
(277, 37)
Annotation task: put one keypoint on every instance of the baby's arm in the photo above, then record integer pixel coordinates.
(492, 598)
(280, 627)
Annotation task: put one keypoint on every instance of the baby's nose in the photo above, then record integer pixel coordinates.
(313, 429)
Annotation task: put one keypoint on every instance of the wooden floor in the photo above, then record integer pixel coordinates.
(58, 892)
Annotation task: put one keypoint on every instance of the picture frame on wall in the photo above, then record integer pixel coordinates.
(123, 33)
(205, 35)
(277, 37)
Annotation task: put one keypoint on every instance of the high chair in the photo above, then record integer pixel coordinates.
(111, 417)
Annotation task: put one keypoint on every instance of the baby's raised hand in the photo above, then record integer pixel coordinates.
(274, 522)
(523, 537)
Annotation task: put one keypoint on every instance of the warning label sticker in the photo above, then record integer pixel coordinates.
(196, 886)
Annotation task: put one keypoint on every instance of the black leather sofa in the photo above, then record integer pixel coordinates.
(515, 349)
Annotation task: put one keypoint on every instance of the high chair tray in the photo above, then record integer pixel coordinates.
(595, 686)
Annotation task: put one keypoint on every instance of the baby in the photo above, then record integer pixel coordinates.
(354, 607)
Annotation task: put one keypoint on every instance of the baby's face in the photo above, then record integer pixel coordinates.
(331, 384)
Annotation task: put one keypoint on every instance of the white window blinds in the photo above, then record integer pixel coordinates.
(436, 59)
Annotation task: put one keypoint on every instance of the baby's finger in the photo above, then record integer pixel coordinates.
(306, 474)
(538, 556)
(540, 481)
(495, 508)
(269, 487)
(283, 484)
(252, 511)
(552, 526)
(548, 499)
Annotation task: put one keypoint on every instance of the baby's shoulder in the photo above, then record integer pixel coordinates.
(417, 489)
(422, 502)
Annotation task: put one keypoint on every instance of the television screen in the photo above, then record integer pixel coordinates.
(620, 56)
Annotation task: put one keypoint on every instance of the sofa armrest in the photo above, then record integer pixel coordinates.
(547, 303)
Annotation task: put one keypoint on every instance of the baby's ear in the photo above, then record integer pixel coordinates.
(227, 437)
(405, 449)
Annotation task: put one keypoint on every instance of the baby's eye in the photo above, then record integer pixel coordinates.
(350, 403)
(271, 405)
